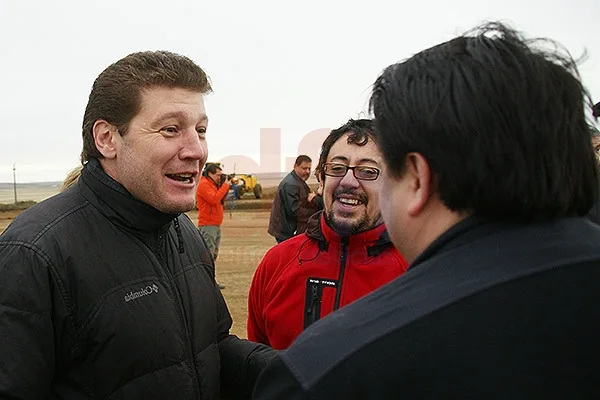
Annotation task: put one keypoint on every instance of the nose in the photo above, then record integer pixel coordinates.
(193, 147)
(349, 180)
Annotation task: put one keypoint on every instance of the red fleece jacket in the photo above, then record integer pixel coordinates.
(310, 275)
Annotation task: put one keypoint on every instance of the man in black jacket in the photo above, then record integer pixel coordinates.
(294, 202)
(488, 170)
(107, 290)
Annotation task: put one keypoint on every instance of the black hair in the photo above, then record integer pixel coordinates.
(360, 131)
(500, 121)
(212, 168)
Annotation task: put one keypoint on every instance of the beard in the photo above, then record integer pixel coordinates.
(350, 223)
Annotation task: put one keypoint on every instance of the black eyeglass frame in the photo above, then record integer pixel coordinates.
(359, 168)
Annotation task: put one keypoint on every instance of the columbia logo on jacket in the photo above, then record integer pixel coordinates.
(148, 290)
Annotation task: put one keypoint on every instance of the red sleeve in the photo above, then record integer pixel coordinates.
(256, 301)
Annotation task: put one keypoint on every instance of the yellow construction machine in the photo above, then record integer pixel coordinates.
(242, 183)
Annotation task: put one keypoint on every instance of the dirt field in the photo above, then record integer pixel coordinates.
(244, 242)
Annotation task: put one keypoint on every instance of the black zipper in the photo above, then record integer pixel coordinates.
(312, 308)
(314, 296)
(189, 348)
(158, 249)
(343, 257)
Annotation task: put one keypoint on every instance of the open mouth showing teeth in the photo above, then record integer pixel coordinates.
(187, 178)
(351, 202)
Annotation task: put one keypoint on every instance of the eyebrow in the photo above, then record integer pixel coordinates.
(360, 162)
(177, 115)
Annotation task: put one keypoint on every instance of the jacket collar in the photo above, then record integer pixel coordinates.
(463, 233)
(296, 177)
(117, 204)
(375, 240)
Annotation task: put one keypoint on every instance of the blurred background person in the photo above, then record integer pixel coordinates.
(210, 197)
(294, 202)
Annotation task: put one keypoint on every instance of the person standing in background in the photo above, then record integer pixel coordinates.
(210, 196)
(294, 202)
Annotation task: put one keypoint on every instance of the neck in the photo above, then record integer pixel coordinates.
(431, 225)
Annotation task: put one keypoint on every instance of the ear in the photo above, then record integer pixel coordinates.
(418, 174)
(105, 138)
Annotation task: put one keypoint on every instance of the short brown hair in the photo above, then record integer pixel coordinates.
(301, 159)
(116, 93)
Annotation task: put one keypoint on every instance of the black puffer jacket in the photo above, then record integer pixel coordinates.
(104, 297)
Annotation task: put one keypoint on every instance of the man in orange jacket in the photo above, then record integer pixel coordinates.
(209, 200)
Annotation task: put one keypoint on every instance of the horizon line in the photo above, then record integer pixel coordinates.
(60, 181)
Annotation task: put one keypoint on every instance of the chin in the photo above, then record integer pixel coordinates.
(344, 227)
(176, 206)
(175, 209)
(185, 207)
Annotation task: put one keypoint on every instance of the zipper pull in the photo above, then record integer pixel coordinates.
(313, 299)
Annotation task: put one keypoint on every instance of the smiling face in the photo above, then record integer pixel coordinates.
(159, 159)
(352, 205)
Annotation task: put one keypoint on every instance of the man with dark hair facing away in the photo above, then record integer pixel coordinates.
(487, 173)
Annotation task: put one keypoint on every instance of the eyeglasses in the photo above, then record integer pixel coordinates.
(360, 172)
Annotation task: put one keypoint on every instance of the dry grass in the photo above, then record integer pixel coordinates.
(18, 206)
(244, 241)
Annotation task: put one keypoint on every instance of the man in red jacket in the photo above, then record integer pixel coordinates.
(344, 254)
(209, 200)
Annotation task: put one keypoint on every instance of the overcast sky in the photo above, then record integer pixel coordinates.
(298, 66)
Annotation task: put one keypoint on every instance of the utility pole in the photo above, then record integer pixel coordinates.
(15, 181)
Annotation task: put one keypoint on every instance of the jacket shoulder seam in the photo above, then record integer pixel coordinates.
(50, 265)
(58, 219)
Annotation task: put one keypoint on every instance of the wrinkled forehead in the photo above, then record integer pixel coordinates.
(159, 102)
